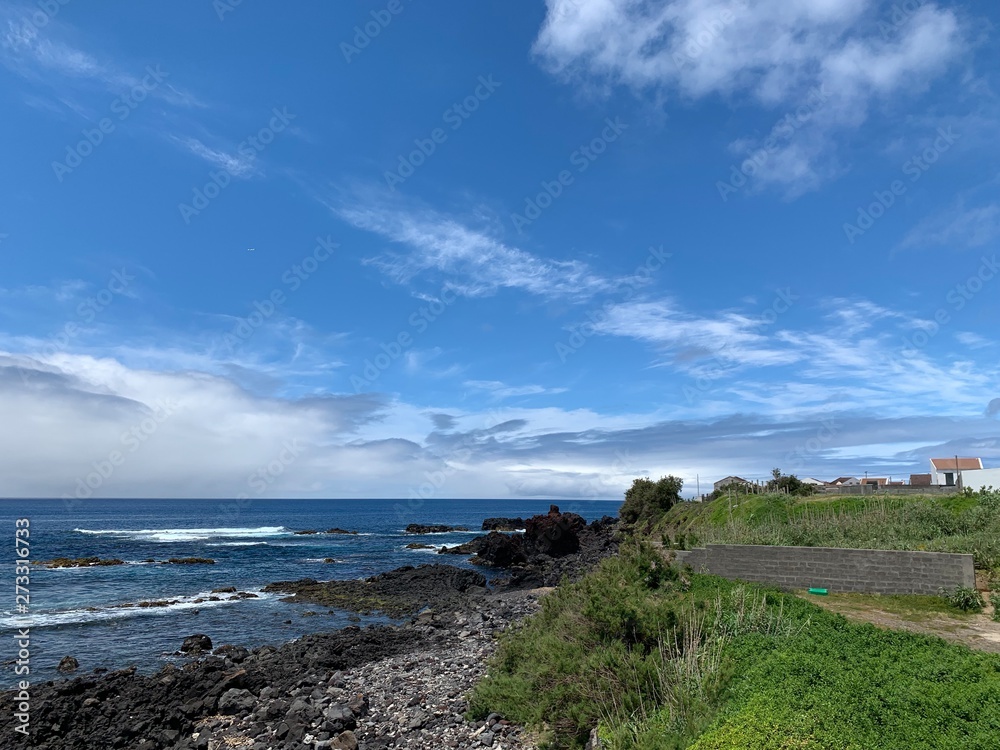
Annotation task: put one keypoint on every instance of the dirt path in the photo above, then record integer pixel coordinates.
(976, 631)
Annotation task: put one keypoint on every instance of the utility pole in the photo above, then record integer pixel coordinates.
(958, 475)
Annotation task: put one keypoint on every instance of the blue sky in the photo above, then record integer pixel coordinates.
(461, 249)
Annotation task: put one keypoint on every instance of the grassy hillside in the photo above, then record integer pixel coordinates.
(968, 523)
(661, 661)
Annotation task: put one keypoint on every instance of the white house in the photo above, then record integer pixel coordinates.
(949, 472)
(845, 482)
(813, 481)
(978, 478)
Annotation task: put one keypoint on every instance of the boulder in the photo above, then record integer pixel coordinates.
(341, 531)
(501, 550)
(346, 741)
(236, 654)
(236, 701)
(195, 644)
(554, 534)
(68, 664)
(470, 547)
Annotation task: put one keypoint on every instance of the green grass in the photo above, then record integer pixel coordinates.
(911, 607)
(968, 523)
(661, 662)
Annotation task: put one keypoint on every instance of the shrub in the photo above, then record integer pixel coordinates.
(966, 599)
(995, 601)
(646, 501)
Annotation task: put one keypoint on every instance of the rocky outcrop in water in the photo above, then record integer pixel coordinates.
(398, 593)
(78, 562)
(552, 546)
(421, 528)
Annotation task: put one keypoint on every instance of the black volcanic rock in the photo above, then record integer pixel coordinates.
(501, 550)
(420, 528)
(555, 534)
(503, 524)
(398, 593)
(197, 643)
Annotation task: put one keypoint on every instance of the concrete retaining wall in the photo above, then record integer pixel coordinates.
(857, 570)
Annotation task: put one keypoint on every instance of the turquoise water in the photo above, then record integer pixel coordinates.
(75, 611)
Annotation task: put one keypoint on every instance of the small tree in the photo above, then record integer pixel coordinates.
(647, 501)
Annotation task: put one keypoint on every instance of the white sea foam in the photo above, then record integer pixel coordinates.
(118, 612)
(188, 535)
(236, 544)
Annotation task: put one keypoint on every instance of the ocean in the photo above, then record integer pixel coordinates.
(78, 612)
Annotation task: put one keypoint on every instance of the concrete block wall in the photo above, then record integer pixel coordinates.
(835, 569)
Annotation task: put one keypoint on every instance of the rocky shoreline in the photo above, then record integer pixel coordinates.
(382, 686)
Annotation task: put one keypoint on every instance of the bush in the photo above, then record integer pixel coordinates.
(966, 599)
(646, 501)
(995, 601)
(729, 666)
(967, 524)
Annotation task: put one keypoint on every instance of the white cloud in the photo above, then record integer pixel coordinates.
(238, 165)
(499, 390)
(474, 262)
(774, 52)
(42, 57)
(199, 435)
(959, 227)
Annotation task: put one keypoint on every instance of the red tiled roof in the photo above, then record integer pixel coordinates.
(949, 464)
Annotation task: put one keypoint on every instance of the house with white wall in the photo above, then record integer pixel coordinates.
(845, 482)
(976, 479)
(950, 472)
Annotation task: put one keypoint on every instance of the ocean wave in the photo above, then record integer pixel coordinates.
(123, 611)
(187, 535)
(237, 544)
